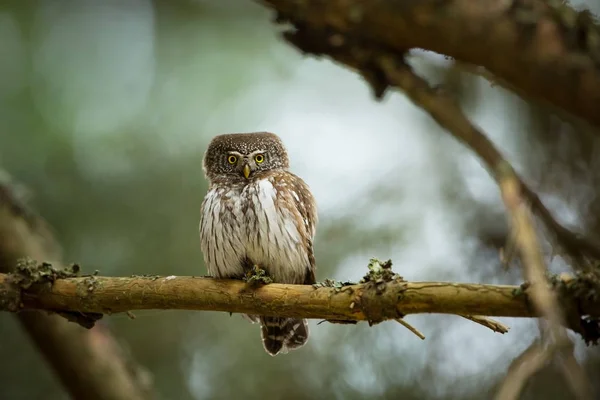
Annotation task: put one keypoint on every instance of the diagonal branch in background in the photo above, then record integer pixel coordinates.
(448, 114)
(543, 299)
(578, 123)
(382, 69)
(543, 47)
(90, 363)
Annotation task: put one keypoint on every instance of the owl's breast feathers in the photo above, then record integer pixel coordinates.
(269, 222)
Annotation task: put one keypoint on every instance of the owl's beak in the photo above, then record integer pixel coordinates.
(246, 171)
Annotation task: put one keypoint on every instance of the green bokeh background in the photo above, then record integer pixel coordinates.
(106, 109)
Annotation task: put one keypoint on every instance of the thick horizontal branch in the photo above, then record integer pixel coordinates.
(544, 48)
(370, 301)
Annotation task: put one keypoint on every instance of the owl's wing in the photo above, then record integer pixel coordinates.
(306, 205)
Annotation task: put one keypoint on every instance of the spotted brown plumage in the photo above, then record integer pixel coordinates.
(256, 212)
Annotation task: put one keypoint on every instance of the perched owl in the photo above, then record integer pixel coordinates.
(256, 212)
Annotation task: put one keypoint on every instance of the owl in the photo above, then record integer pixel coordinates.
(257, 212)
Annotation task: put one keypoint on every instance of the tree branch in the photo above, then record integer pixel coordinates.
(543, 299)
(91, 364)
(374, 301)
(382, 69)
(542, 47)
(109, 295)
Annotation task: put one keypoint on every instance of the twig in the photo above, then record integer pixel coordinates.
(410, 328)
(496, 326)
(508, 252)
(526, 240)
(534, 271)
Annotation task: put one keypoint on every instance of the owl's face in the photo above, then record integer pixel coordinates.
(240, 157)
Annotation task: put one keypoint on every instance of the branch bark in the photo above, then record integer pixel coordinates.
(371, 301)
(109, 295)
(544, 48)
(90, 363)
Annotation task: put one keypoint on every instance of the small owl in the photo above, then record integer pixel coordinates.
(256, 212)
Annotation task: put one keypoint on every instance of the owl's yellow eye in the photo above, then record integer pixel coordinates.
(232, 159)
(259, 158)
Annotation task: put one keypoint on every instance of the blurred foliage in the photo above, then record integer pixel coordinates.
(106, 109)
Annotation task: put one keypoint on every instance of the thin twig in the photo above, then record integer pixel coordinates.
(508, 252)
(527, 242)
(534, 271)
(494, 325)
(410, 328)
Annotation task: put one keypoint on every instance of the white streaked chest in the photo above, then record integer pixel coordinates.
(252, 222)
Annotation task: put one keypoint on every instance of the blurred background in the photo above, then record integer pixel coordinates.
(106, 109)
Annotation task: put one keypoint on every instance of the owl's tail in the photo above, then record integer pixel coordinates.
(283, 334)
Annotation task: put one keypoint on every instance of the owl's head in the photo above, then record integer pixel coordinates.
(242, 156)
